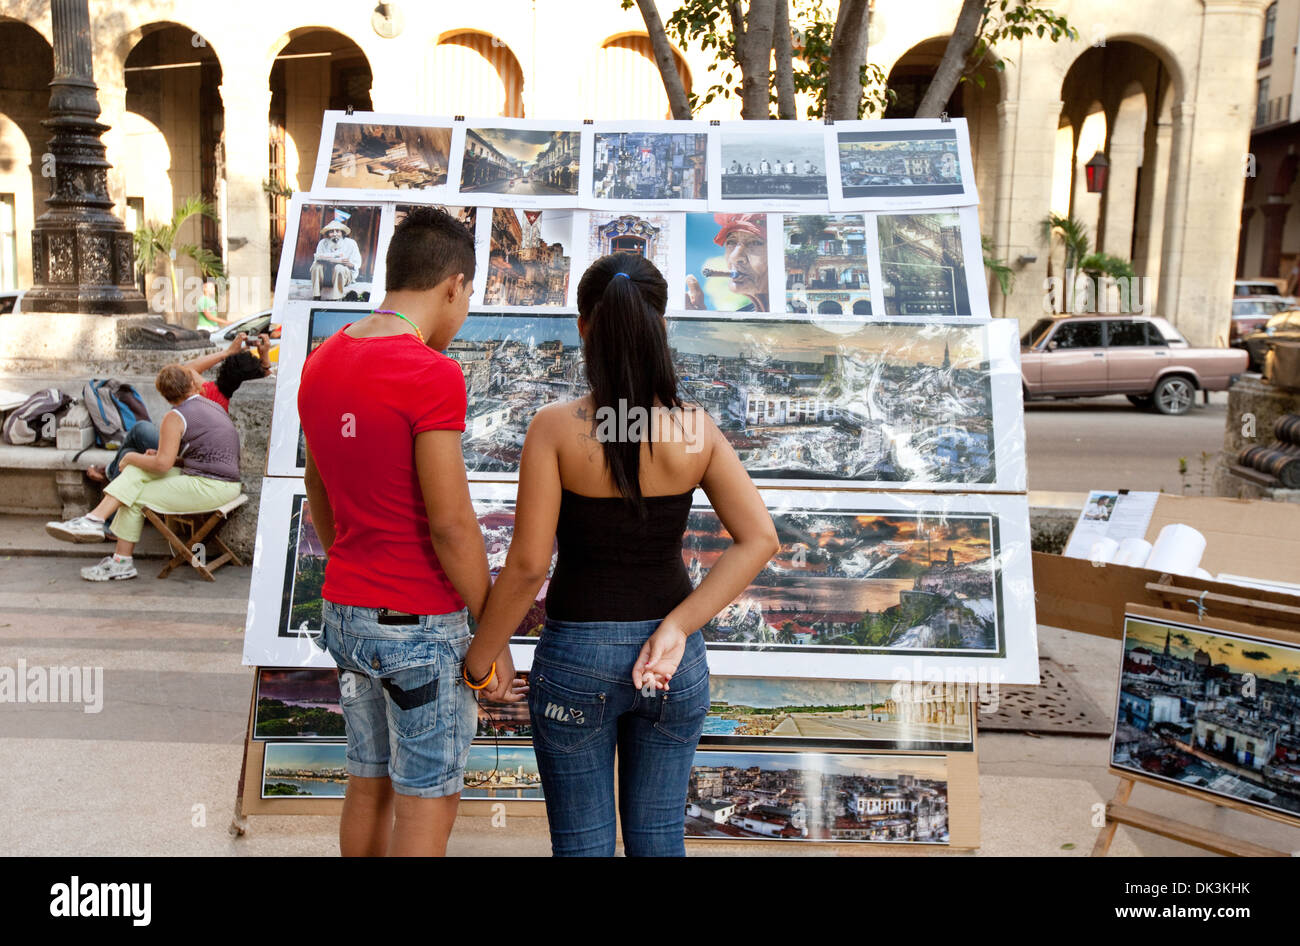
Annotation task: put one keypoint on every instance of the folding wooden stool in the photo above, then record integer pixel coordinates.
(199, 531)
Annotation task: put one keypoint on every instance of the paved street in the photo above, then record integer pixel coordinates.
(1101, 443)
(524, 188)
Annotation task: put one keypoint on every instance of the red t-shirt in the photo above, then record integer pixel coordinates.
(213, 393)
(361, 402)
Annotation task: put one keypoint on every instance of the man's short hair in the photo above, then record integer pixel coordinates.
(428, 246)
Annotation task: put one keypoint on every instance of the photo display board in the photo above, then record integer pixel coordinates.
(828, 308)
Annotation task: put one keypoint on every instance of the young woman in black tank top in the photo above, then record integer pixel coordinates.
(620, 665)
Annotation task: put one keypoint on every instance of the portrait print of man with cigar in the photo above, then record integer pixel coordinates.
(743, 262)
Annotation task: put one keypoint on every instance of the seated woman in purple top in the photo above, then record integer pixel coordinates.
(194, 469)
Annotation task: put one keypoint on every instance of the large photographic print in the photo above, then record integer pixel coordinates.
(385, 157)
(334, 253)
(771, 166)
(502, 773)
(877, 403)
(305, 770)
(923, 264)
(529, 258)
(648, 167)
(784, 713)
(787, 796)
(862, 582)
(514, 365)
(1211, 711)
(298, 704)
(827, 265)
(917, 167)
(512, 161)
(304, 574)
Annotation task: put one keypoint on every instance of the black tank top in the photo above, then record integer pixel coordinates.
(615, 566)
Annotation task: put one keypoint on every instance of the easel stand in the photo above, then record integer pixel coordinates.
(1188, 604)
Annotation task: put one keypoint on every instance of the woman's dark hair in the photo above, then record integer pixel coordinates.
(622, 298)
(235, 370)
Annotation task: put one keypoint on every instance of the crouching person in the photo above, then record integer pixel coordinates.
(194, 469)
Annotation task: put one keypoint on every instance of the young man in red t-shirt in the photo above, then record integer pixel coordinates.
(383, 412)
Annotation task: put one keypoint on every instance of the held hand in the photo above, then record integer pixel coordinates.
(236, 346)
(659, 657)
(503, 687)
(694, 294)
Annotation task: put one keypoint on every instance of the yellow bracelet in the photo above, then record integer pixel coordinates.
(464, 672)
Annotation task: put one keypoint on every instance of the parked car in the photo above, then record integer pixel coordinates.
(1284, 325)
(1242, 288)
(11, 300)
(254, 325)
(1142, 357)
(1249, 313)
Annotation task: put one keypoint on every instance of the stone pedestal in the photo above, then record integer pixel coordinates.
(1253, 407)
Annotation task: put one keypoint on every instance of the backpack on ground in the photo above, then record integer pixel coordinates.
(36, 420)
(114, 407)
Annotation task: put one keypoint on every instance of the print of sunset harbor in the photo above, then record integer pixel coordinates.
(861, 582)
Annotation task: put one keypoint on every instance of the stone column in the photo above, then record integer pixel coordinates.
(1150, 224)
(1008, 112)
(1032, 137)
(246, 98)
(1243, 241)
(83, 259)
(1116, 234)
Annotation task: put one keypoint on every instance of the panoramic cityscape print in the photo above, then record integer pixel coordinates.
(884, 403)
(768, 712)
(514, 365)
(649, 166)
(861, 582)
(502, 773)
(786, 796)
(1210, 711)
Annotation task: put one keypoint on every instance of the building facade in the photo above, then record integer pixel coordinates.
(224, 101)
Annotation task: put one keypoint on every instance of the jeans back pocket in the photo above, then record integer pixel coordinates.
(683, 708)
(566, 712)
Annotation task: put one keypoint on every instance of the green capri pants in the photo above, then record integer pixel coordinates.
(167, 493)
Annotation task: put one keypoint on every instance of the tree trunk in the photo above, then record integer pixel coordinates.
(754, 48)
(783, 52)
(955, 57)
(848, 54)
(665, 60)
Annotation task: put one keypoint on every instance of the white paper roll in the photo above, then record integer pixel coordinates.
(1133, 552)
(1103, 550)
(1202, 573)
(1178, 550)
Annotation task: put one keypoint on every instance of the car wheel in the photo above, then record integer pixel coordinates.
(1140, 400)
(1174, 395)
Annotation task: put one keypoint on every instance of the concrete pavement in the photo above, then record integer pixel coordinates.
(155, 771)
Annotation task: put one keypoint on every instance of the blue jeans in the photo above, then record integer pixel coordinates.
(408, 714)
(583, 706)
(141, 437)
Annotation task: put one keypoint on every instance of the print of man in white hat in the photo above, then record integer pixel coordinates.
(337, 260)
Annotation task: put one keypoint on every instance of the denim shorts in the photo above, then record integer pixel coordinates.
(408, 714)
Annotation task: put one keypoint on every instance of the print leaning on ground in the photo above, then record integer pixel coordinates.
(1210, 711)
(502, 773)
(862, 582)
(843, 714)
(787, 796)
(298, 704)
(305, 769)
(881, 402)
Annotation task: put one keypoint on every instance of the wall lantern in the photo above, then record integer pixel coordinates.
(1097, 169)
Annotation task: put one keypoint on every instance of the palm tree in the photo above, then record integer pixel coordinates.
(155, 243)
(1073, 234)
(1003, 273)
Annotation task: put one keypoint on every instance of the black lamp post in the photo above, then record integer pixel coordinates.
(1097, 171)
(83, 259)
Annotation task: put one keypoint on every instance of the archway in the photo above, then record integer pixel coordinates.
(26, 69)
(623, 80)
(172, 130)
(475, 74)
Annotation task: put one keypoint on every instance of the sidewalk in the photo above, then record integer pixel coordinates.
(155, 771)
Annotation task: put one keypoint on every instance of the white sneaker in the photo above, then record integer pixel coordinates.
(80, 529)
(109, 570)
